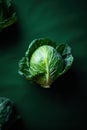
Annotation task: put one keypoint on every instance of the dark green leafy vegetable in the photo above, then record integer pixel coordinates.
(8, 114)
(7, 14)
(45, 61)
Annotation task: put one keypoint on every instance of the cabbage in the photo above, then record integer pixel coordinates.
(45, 61)
(7, 14)
(8, 113)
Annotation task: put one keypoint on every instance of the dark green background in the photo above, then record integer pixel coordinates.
(64, 106)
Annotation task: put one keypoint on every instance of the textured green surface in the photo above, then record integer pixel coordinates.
(64, 22)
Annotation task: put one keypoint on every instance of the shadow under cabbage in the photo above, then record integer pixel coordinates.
(66, 85)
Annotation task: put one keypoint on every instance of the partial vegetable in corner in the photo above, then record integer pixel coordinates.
(7, 14)
(8, 114)
(45, 61)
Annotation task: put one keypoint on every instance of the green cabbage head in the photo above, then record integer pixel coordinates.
(45, 61)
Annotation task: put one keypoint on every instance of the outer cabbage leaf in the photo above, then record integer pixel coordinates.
(65, 51)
